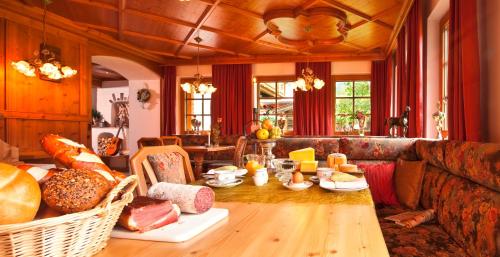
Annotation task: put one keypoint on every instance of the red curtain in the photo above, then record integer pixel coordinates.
(410, 69)
(312, 110)
(168, 92)
(464, 114)
(380, 95)
(233, 99)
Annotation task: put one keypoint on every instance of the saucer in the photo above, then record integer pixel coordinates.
(217, 183)
(298, 186)
(314, 179)
(238, 172)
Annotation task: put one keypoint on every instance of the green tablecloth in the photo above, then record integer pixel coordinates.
(275, 192)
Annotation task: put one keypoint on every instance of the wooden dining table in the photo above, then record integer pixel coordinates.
(324, 224)
(199, 152)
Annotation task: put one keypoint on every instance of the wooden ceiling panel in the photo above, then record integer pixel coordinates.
(153, 45)
(371, 35)
(261, 6)
(149, 27)
(370, 7)
(234, 28)
(239, 24)
(188, 11)
(79, 12)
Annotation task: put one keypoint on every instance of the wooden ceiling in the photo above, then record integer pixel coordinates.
(233, 31)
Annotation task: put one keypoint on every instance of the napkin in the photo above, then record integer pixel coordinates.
(351, 185)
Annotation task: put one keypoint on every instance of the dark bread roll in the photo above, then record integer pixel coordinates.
(75, 190)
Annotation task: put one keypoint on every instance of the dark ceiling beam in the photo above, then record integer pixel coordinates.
(121, 18)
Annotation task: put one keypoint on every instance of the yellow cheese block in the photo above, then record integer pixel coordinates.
(306, 154)
(308, 166)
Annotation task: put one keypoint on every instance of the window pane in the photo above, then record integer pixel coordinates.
(368, 122)
(206, 123)
(343, 106)
(363, 105)
(206, 106)
(198, 96)
(281, 89)
(267, 89)
(267, 106)
(289, 89)
(285, 106)
(343, 88)
(194, 107)
(343, 122)
(362, 88)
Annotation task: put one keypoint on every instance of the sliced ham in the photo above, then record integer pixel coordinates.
(190, 199)
(145, 214)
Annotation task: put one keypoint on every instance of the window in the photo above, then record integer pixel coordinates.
(352, 94)
(443, 89)
(275, 100)
(196, 106)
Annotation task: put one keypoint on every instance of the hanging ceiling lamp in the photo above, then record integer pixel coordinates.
(307, 80)
(197, 86)
(45, 60)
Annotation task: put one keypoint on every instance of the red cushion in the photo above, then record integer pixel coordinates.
(380, 178)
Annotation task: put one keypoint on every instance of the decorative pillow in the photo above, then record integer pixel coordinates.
(408, 179)
(412, 219)
(380, 178)
(168, 167)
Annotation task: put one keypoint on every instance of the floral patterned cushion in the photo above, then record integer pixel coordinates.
(434, 179)
(322, 146)
(432, 151)
(470, 213)
(168, 167)
(479, 162)
(374, 148)
(423, 241)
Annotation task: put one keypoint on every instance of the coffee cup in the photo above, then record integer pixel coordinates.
(225, 176)
(262, 172)
(260, 180)
(324, 172)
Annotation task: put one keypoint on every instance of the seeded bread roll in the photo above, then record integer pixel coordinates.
(75, 190)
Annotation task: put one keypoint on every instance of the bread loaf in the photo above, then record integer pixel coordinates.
(19, 195)
(75, 190)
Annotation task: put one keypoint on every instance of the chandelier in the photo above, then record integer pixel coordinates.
(44, 60)
(197, 86)
(307, 80)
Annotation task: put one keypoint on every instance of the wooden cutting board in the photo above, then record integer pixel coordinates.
(187, 227)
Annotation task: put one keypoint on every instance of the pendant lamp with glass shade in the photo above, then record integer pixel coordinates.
(45, 61)
(198, 86)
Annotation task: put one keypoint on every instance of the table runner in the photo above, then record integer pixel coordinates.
(275, 192)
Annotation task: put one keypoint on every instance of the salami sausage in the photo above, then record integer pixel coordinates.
(190, 199)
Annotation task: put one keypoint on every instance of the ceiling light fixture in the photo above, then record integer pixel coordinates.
(45, 60)
(197, 86)
(307, 80)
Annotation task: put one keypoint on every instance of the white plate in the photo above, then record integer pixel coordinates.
(330, 185)
(216, 183)
(238, 172)
(299, 186)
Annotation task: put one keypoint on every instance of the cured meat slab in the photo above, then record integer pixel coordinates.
(187, 227)
(189, 198)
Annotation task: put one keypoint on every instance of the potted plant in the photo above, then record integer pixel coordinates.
(97, 118)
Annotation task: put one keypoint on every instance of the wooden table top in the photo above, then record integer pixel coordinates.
(285, 229)
(201, 148)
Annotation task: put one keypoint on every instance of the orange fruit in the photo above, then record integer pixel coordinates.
(252, 167)
(267, 124)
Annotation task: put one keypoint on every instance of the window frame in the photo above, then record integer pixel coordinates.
(185, 98)
(349, 78)
(444, 25)
(273, 79)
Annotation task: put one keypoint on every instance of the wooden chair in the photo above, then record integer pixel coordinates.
(241, 145)
(141, 167)
(149, 141)
(171, 140)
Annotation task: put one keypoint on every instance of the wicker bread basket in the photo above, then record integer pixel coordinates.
(77, 234)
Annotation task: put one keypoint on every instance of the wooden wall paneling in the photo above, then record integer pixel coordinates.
(2, 77)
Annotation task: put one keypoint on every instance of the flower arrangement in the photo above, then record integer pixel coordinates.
(439, 117)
